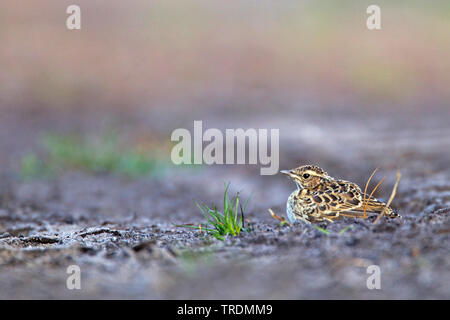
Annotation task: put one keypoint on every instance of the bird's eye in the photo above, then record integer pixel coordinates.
(306, 175)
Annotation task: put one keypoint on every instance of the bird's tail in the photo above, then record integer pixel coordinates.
(373, 206)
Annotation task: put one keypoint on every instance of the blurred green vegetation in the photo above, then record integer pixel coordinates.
(103, 155)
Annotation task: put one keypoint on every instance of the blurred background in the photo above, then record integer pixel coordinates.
(239, 54)
(86, 115)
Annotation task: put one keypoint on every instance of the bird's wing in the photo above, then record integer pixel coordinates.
(338, 196)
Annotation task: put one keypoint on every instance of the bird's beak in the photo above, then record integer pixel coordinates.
(292, 176)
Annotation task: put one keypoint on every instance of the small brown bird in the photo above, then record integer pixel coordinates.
(320, 197)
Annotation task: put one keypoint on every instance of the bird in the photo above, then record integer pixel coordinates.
(319, 197)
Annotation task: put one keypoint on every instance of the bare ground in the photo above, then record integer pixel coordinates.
(122, 234)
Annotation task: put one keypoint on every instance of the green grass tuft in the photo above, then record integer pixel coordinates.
(220, 224)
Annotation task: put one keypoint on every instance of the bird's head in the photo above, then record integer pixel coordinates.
(306, 176)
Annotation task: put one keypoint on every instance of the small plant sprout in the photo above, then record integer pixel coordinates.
(321, 230)
(345, 229)
(283, 221)
(393, 193)
(340, 233)
(220, 224)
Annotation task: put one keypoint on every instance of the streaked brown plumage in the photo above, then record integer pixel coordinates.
(320, 197)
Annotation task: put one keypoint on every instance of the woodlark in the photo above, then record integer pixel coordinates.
(320, 197)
